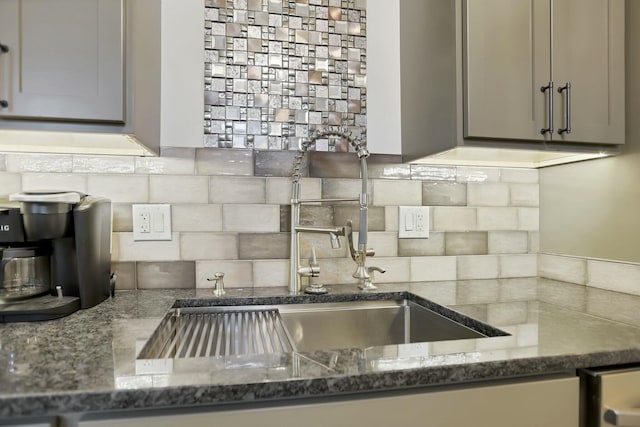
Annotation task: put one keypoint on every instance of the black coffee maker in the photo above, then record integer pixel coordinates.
(56, 254)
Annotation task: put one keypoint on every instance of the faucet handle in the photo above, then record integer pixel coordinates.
(314, 268)
(367, 282)
(218, 285)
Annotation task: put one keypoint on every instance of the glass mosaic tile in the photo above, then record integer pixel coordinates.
(278, 70)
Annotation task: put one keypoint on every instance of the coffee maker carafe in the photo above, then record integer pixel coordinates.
(56, 254)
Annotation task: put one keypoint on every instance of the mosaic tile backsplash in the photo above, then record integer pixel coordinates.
(278, 70)
(230, 213)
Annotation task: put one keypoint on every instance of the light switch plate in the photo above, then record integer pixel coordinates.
(413, 222)
(151, 222)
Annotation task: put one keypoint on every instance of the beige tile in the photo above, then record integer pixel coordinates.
(519, 175)
(431, 269)
(391, 218)
(54, 181)
(323, 247)
(389, 171)
(122, 217)
(614, 276)
(529, 219)
(172, 161)
(196, 217)
(375, 216)
(39, 163)
(3, 162)
(271, 273)
(454, 219)
(274, 162)
(524, 194)
(312, 215)
(397, 193)
(279, 190)
(120, 188)
(251, 218)
(478, 174)
(478, 267)
(264, 245)
(166, 275)
(237, 274)
(130, 250)
(178, 189)
(231, 189)
(433, 173)
(488, 194)
(466, 243)
(333, 188)
(433, 246)
(10, 183)
(208, 246)
(385, 244)
(508, 242)
(398, 270)
(518, 265)
(534, 242)
(599, 303)
(492, 219)
(125, 275)
(566, 269)
(223, 161)
(444, 194)
(103, 164)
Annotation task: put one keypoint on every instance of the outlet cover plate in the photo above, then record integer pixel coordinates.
(151, 222)
(413, 222)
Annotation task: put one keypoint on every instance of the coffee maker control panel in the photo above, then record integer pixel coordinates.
(11, 228)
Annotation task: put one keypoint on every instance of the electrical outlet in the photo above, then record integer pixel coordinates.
(413, 222)
(151, 222)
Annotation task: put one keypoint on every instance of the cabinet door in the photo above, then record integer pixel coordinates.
(588, 52)
(506, 62)
(65, 59)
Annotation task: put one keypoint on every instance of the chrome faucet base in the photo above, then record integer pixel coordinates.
(367, 285)
(316, 290)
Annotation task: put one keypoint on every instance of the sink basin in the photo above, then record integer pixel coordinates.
(363, 324)
(238, 330)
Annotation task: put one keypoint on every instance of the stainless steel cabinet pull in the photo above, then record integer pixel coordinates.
(543, 89)
(623, 417)
(3, 103)
(567, 108)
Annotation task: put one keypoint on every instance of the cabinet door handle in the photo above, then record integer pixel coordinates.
(543, 89)
(623, 417)
(4, 49)
(567, 108)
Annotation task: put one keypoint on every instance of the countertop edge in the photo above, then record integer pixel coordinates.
(214, 395)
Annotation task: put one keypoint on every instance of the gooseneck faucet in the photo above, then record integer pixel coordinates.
(359, 255)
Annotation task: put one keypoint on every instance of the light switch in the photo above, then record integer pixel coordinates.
(151, 222)
(413, 222)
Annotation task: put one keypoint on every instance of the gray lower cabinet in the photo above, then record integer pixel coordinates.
(574, 48)
(63, 60)
(549, 402)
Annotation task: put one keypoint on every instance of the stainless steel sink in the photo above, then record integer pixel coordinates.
(237, 330)
(365, 324)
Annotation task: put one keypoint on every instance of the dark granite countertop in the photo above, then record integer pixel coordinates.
(86, 362)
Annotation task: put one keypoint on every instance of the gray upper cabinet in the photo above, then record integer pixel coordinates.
(65, 60)
(544, 70)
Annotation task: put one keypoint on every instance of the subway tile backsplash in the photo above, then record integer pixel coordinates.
(230, 213)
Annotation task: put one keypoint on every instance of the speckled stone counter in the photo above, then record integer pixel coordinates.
(87, 362)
